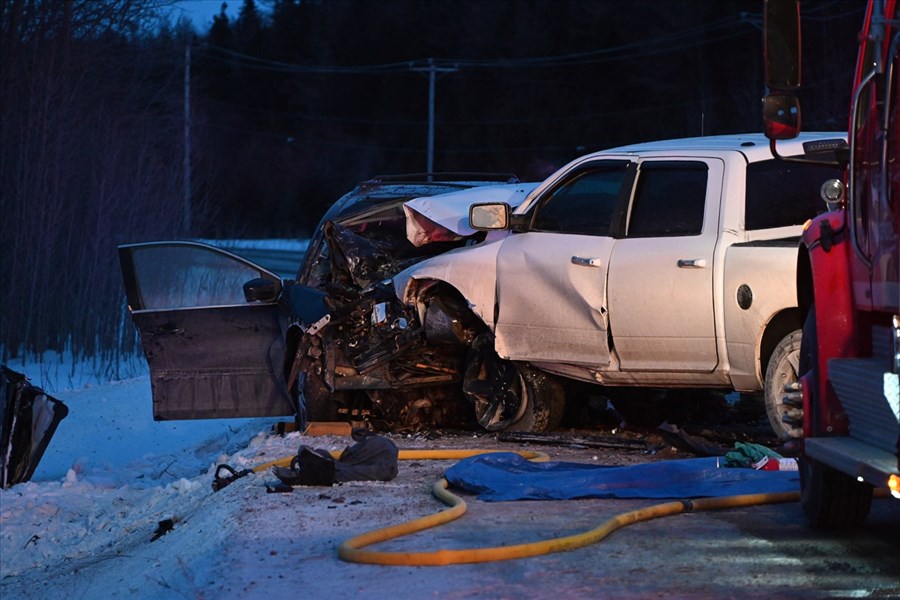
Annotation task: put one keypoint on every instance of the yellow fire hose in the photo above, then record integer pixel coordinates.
(352, 549)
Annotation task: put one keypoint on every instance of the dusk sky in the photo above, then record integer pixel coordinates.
(201, 12)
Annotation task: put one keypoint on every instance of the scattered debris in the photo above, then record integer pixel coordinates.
(696, 444)
(220, 481)
(564, 439)
(164, 527)
(28, 419)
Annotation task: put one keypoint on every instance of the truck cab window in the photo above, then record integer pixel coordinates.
(583, 204)
(669, 200)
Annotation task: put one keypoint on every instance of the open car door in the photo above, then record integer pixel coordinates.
(211, 352)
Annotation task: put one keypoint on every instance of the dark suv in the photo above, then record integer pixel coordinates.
(220, 333)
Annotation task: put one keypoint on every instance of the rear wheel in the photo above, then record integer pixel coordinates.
(785, 412)
(510, 396)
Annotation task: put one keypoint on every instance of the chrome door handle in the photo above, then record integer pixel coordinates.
(587, 262)
(692, 263)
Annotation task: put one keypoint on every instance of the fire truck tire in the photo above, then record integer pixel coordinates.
(783, 369)
(831, 499)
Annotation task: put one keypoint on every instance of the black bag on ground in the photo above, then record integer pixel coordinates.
(371, 458)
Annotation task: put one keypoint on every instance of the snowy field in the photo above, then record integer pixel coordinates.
(109, 475)
(84, 527)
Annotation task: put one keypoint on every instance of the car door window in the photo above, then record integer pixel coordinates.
(188, 276)
(585, 203)
(669, 199)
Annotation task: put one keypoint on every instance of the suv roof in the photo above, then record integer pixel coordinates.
(408, 186)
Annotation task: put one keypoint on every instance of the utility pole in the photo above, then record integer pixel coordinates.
(187, 138)
(432, 76)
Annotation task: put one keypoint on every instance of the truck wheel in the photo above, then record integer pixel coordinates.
(785, 417)
(510, 396)
(831, 499)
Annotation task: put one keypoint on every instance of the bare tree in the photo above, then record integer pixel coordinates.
(91, 118)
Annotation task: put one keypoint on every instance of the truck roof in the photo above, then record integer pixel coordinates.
(755, 146)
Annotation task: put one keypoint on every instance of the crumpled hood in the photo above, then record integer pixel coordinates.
(472, 270)
(445, 217)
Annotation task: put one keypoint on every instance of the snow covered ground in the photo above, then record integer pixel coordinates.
(84, 526)
(109, 475)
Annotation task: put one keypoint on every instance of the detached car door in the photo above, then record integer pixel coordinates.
(212, 354)
(551, 279)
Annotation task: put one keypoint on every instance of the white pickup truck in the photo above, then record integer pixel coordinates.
(659, 265)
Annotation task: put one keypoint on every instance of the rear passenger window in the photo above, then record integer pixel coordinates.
(780, 194)
(669, 199)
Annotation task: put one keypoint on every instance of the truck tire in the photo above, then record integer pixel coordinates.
(510, 396)
(831, 499)
(784, 369)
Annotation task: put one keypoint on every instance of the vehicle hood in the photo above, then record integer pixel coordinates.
(472, 270)
(446, 217)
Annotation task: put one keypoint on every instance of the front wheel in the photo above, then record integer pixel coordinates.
(785, 411)
(831, 499)
(510, 396)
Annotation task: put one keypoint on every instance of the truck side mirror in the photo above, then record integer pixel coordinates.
(489, 217)
(781, 44)
(781, 33)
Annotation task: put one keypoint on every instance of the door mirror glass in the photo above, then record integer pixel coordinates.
(781, 116)
(261, 290)
(488, 217)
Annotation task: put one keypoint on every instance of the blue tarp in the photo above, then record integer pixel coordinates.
(507, 476)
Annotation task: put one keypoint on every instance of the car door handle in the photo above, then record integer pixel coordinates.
(587, 262)
(692, 263)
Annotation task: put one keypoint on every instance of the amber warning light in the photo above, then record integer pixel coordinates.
(894, 485)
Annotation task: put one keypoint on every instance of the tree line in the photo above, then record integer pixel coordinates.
(293, 102)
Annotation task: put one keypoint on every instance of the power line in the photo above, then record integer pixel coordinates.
(724, 28)
(657, 45)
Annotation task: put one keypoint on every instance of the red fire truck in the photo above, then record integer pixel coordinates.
(847, 279)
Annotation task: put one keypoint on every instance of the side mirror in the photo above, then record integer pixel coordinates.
(261, 290)
(781, 116)
(489, 216)
(781, 33)
(781, 45)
